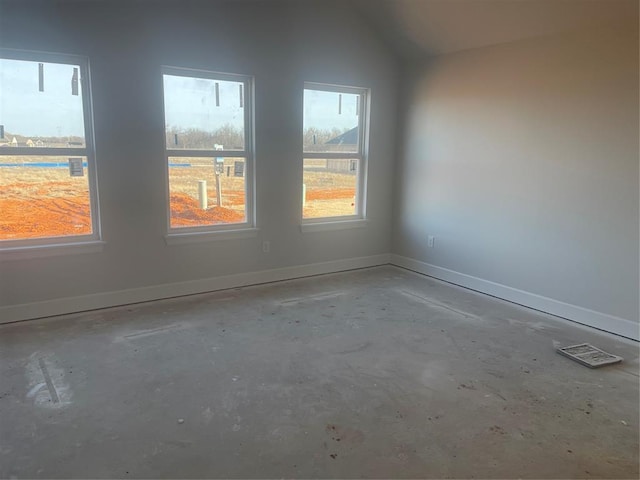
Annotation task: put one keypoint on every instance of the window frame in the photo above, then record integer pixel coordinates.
(359, 218)
(176, 235)
(62, 242)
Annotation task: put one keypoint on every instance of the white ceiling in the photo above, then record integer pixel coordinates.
(433, 27)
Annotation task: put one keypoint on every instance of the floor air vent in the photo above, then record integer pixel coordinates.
(589, 355)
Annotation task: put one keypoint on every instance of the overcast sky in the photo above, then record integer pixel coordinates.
(323, 110)
(26, 111)
(189, 103)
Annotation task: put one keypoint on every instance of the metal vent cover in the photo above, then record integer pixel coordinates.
(588, 355)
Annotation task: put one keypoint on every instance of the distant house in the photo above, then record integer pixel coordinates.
(350, 137)
(30, 143)
(14, 142)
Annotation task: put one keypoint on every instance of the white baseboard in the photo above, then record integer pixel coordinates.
(59, 306)
(584, 316)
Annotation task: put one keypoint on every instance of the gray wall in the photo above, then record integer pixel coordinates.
(522, 160)
(282, 45)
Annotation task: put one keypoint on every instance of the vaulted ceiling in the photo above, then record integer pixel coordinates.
(422, 28)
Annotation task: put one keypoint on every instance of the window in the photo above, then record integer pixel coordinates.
(209, 145)
(48, 192)
(334, 133)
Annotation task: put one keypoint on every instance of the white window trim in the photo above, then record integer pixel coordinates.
(206, 233)
(358, 220)
(51, 250)
(67, 244)
(203, 237)
(328, 224)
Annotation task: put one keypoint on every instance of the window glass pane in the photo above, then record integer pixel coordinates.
(203, 114)
(193, 191)
(330, 122)
(329, 187)
(40, 104)
(44, 197)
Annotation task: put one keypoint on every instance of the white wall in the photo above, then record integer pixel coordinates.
(522, 160)
(282, 44)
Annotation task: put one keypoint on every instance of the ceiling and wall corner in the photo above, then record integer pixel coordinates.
(424, 28)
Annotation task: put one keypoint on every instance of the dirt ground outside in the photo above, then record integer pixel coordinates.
(43, 200)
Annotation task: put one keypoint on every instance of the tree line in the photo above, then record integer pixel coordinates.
(46, 141)
(316, 136)
(232, 138)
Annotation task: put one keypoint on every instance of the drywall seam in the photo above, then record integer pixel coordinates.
(59, 306)
(584, 316)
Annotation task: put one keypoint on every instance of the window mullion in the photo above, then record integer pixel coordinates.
(331, 155)
(43, 152)
(207, 153)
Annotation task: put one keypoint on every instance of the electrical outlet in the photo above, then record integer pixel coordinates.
(266, 246)
(431, 240)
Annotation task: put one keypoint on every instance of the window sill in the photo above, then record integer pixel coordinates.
(51, 250)
(202, 237)
(333, 225)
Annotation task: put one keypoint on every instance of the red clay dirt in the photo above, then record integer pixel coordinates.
(330, 194)
(237, 198)
(57, 216)
(47, 217)
(185, 212)
(70, 215)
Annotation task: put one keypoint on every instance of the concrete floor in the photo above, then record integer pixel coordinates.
(371, 373)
